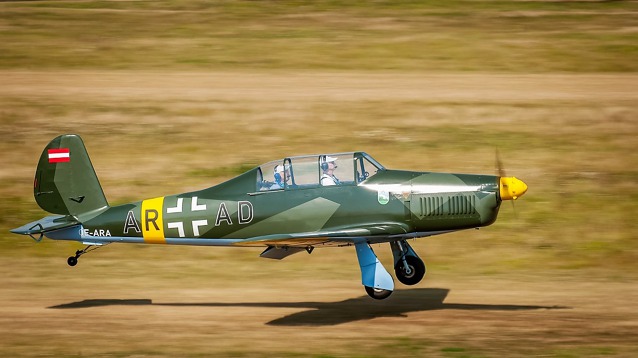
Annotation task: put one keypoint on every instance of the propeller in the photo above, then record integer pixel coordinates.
(499, 165)
(511, 188)
(501, 174)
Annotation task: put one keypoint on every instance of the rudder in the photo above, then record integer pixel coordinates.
(65, 181)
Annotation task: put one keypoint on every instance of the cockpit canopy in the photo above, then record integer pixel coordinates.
(313, 171)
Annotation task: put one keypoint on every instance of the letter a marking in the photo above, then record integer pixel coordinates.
(223, 215)
(131, 223)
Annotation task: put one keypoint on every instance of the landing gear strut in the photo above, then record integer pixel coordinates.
(374, 277)
(73, 260)
(408, 267)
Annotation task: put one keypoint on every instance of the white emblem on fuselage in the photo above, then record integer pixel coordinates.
(383, 197)
(245, 215)
(177, 208)
(195, 206)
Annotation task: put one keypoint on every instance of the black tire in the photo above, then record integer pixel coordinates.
(378, 293)
(72, 261)
(417, 271)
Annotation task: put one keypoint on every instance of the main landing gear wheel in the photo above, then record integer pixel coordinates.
(412, 273)
(378, 293)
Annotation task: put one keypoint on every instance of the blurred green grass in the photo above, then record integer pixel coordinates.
(474, 36)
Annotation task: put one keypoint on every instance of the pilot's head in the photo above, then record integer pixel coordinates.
(329, 164)
(282, 172)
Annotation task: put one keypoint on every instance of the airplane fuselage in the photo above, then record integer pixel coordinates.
(420, 202)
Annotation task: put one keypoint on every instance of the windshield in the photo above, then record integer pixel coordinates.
(313, 171)
(366, 166)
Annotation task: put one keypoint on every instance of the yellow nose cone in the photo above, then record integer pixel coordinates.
(511, 188)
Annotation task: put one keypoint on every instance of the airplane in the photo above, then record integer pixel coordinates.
(286, 206)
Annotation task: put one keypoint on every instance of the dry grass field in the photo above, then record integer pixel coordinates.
(172, 96)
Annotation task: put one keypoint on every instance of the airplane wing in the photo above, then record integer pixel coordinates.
(332, 237)
(280, 246)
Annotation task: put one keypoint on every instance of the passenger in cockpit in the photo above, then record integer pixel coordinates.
(282, 175)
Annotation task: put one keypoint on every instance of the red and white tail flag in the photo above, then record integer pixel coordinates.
(61, 155)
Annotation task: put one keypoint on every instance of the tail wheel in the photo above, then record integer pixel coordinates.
(413, 273)
(73, 260)
(378, 293)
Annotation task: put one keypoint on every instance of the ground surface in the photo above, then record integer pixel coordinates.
(513, 288)
(171, 96)
(91, 311)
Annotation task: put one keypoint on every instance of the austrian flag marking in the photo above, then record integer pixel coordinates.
(61, 155)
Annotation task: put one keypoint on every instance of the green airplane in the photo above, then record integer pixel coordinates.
(286, 206)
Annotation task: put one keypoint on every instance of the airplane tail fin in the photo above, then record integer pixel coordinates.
(65, 182)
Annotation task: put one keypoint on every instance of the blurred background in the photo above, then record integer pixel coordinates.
(172, 96)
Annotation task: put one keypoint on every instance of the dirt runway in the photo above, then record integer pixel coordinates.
(96, 310)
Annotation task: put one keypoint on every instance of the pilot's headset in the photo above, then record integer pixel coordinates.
(324, 165)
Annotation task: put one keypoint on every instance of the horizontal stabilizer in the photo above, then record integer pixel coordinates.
(49, 223)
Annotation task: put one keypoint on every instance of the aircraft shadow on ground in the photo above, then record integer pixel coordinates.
(332, 313)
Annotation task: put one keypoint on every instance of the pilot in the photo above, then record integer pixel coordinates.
(328, 166)
(282, 175)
